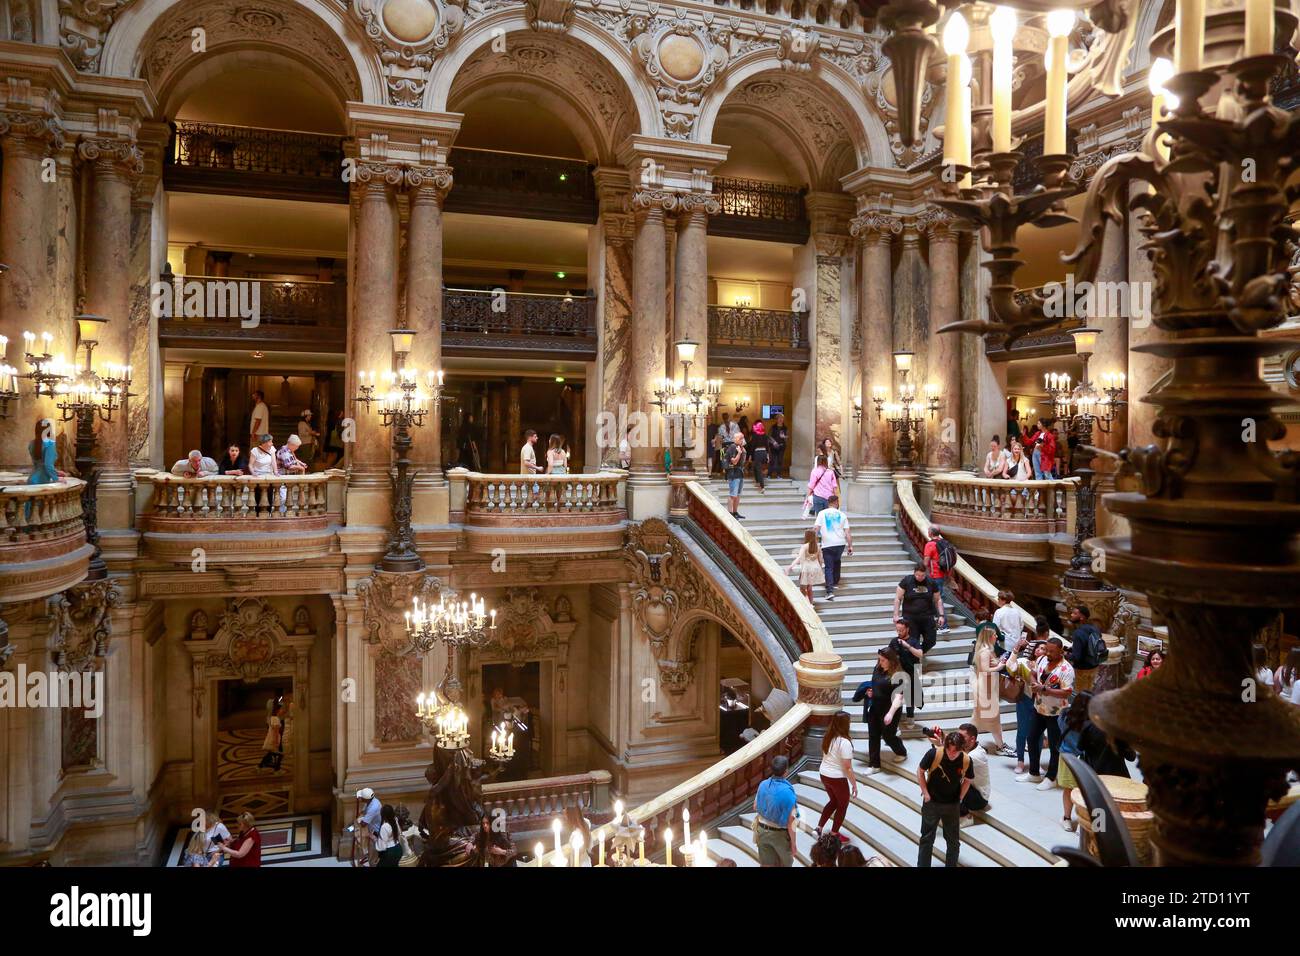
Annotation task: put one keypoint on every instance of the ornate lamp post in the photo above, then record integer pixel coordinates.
(903, 421)
(681, 403)
(1080, 410)
(402, 406)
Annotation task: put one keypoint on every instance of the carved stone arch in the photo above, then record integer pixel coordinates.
(783, 138)
(152, 39)
(512, 24)
(825, 84)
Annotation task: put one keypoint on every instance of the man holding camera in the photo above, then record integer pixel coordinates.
(945, 777)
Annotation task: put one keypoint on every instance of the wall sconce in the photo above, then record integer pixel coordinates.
(742, 403)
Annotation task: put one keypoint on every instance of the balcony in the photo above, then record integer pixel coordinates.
(758, 338)
(547, 513)
(250, 161)
(301, 315)
(752, 209)
(43, 547)
(490, 183)
(1011, 521)
(478, 323)
(233, 518)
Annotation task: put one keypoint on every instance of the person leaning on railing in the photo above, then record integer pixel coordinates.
(195, 465)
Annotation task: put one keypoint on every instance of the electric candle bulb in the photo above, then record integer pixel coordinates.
(1059, 25)
(956, 137)
(668, 844)
(1259, 27)
(1189, 34)
(539, 851)
(1003, 25)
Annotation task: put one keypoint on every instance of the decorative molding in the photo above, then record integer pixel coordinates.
(112, 154)
(527, 630)
(428, 181)
(250, 641)
(550, 16)
(698, 202)
(683, 59)
(386, 595)
(408, 36)
(81, 624)
(25, 120)
(83, 24)
(875, 227)
(797, 48)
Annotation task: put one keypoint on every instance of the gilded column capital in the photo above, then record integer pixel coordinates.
(114, 155)
(875, 228)
(937, 224)
(698, 204)
(428, 183)
(830, 245)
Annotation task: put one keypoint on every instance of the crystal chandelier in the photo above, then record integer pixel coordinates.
(451, 622)
(445, 719)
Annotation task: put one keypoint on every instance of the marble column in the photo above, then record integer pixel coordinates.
(610, 251)
(911, 322)
(373, 315)
(828, 340)
(578, 428)
(148, 252)
(112, 163)
(691, 312)
(943, 432)
(28, 293)
(427, 187)
(1110, 355)
(648, 483)
(872, 490)
(492, 455)
(514, 436)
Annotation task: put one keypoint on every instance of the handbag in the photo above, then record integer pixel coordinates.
(1009, 689)
(807, 506)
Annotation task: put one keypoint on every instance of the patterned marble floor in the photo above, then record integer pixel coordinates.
(245, 786)
(289, 840)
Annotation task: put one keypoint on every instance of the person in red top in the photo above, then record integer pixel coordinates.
(1043, 441)
(931, 557)
(246, 848)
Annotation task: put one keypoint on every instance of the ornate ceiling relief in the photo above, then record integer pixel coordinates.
(83, 24)
(563, 63)
(409, 35)
(527, 630)
(81, 624)
(800, 106)
(669, 593)
(229, 22)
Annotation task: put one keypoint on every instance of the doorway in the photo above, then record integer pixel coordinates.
(249, 776)
(512, 695)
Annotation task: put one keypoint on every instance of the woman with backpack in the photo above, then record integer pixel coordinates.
(985, 661)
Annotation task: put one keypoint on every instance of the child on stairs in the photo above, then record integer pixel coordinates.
(807, 564)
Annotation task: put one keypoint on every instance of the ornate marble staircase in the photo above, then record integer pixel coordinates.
(884, 818)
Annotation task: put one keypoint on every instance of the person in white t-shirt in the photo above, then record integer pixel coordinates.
(832, 527)
(259, 423)
(836, 771)
(261, 458)
(981, 791)
(1009, 621)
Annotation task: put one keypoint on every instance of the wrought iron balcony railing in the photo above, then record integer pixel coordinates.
(475, 322)
(205, 310)
(752, 209)
(765, 337)
(488, 182)
(248, 160)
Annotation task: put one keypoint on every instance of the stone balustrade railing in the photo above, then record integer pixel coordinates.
(993, 504)
(531, 805)
(238, 504)
(33, 515)
(537, 500)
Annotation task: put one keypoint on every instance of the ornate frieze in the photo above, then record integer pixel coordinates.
(386, 596)
(26, 120)
(550, 16)
(408, 36)
(682, 59)
(81, 624)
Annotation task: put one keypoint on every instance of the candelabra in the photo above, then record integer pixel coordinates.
(902, 420)
(450, 622)
(1214, 522)
(503, 744)
(1080, 409)
(402, 407)
(681, 403)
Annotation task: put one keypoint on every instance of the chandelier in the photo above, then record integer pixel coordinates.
(452, 622)
(682, 403)
(903, 420)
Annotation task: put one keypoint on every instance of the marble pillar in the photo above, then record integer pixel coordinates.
(1111, 355)
(578, 428)
(911, 325)
(28, 294)
(648, 482)
(615, 331)
(691, 309)
(872, 491)
(373, 315)
(984, 398)
(427, 187)
(828, 340)
(113, 164)
(514, 428)
(147, 254)
(493, 455)
(943, 432)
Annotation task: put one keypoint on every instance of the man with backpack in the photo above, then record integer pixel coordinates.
(945, 779)
(733, 460)
(940, 559)
(1088, 649)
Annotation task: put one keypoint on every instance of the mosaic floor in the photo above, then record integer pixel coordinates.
(245, 786)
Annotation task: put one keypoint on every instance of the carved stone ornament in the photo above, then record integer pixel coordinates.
(386, 596)
(525, 629)
(24, 118)
(409, 35)
(682, 59)
(875, 226)
(797, 48)
(81, 624)
(254, 641)
(83, 24)
(199, 625)
(550, 16)
(667, 588)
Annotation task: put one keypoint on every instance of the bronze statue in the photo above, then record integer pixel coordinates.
(451, 821)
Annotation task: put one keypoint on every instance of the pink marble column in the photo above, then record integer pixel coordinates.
(427, 187)
(113, 165)
(649, 285)
(691, 312)
(374, 314)
(27, 290)
(942, 433)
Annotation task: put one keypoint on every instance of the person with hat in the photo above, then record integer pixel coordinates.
(308, 434)
(369, 820)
